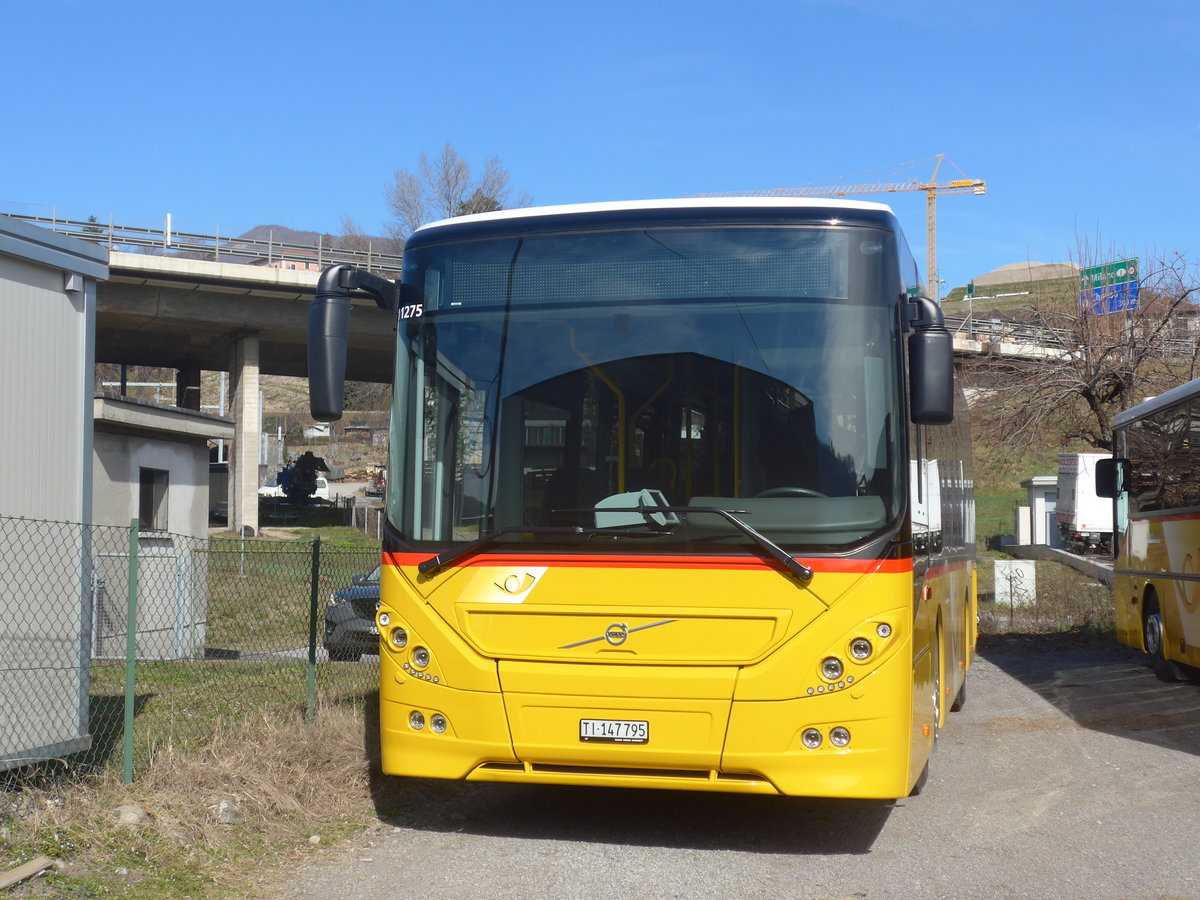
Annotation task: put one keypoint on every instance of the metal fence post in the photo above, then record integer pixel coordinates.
(312, 627)
(130, 650)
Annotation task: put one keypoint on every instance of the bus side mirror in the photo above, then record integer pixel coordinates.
(1111, 477)
(930, 365)
(328, 323)
(328, 333)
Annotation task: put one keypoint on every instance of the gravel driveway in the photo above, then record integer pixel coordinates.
(1071, 773)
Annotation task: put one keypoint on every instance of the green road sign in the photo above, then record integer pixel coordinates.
(1109, 288)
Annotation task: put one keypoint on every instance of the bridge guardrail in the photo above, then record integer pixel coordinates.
(214, 247)
(1003, 331)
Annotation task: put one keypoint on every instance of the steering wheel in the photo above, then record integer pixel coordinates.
(789, 492)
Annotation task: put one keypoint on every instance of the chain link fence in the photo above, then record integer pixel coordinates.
(222, 628)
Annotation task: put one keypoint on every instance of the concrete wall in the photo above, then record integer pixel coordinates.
(118, 459)
(172, 616)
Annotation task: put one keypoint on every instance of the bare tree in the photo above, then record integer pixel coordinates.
(353, 237)
(444, 187)
(368, 396)
(1077, 369)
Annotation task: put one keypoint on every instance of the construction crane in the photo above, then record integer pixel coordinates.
(932, 187)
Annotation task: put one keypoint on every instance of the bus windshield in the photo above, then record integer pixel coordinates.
(611, 386)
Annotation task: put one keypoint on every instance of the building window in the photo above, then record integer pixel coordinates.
(152, 499)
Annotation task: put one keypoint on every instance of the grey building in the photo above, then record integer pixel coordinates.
(151, 465)
(47, 361)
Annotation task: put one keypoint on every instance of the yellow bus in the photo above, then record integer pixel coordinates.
(679, 496)
(1154, 477)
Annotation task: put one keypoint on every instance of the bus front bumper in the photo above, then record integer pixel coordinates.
(708, 745)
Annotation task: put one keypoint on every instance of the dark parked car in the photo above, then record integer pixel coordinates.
(350, 629)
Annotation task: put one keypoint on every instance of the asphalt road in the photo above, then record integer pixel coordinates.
(1071, 773)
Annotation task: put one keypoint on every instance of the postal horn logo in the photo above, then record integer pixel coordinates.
(516, 584)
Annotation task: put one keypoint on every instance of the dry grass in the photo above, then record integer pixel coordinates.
(288, 779)
(1065, 601)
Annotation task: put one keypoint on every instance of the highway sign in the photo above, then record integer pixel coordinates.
(1109, 288)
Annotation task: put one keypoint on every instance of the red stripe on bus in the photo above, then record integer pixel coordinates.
(946, 568)
(853, 566)
(1181, 517)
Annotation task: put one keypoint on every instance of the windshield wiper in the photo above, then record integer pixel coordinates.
(441, 560)
(794, 566)
(773, 550)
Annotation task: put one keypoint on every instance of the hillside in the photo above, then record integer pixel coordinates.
(1009, 298)
(284, 235)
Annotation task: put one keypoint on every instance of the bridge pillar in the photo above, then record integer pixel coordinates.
(187, 388)
(243, 461)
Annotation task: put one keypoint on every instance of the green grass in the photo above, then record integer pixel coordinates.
(1056, 294)
(998, 491)
(186, 703)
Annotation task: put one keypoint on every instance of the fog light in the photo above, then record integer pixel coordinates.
(883, 629)
(384, 620)
(437, 724)
(860, 648)
(420, 657)
(832, 668)
(811, 738)
(839, 736)
(416, 720)
(399, 636)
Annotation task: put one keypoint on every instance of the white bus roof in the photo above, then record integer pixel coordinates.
(1154, 404)
(681, 203)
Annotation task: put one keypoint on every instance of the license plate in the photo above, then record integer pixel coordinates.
(614, 731)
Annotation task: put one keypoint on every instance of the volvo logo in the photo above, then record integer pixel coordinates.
(616, 634)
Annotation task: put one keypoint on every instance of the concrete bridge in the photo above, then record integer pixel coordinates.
(248, 320)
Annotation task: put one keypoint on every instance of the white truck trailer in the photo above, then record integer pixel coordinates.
(1085, 521)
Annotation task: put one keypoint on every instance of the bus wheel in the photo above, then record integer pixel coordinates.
(961, 700)
(937, 685)
(1154, 637)
(919, 784)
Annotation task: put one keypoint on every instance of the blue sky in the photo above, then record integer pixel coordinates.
(1083, 117)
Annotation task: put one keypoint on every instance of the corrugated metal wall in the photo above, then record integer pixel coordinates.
(43, 351)
(47, 339)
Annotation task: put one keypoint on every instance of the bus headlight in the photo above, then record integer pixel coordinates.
(437, 723)
(860, 648)
(832, 668)
(420, 657)
(883, 629)
(416, 720)
(811, 738)
(839, 736)
(399, 637)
